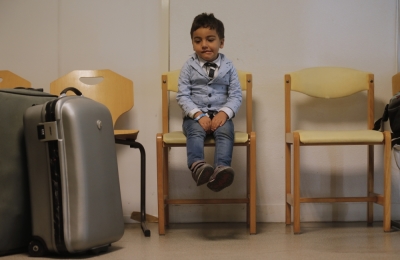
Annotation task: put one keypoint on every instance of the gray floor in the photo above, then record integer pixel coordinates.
(273, 241)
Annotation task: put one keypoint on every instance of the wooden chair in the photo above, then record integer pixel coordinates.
(167, 139)
(116, 93)
(396, 83)
(11, 80)
(334, 82)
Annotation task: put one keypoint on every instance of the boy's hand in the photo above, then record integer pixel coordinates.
(205, 122)
(218, 120)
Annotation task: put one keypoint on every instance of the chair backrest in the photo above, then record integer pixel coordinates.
(396, 83)
(169, 82)
(11, 80)
(114, 90)
(329, 82)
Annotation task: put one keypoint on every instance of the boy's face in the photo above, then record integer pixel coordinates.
(206, 43)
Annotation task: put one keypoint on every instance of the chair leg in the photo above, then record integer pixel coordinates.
(296, 183)
(253, 186)
(288, 183)
(160, 184)
(387, 184)
(137, 145)
(146, 231)
(165, 181)
(370, 184)
(248, 173)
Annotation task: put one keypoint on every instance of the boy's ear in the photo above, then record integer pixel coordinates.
(222, 43)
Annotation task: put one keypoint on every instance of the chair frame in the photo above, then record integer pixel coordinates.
(293, 197)
(162, 162)
(395, 83)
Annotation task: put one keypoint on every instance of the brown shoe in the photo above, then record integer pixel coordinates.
(201, 172)
(221, 178)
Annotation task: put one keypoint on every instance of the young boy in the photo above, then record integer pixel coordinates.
(210, 96)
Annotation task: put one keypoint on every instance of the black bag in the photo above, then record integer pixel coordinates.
(391, 113)
(15, 214)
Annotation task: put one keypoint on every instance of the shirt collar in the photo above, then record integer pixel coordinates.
(216, 61)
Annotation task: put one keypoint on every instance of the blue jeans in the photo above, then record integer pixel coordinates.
(195, 134)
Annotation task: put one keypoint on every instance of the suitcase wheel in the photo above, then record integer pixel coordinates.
(36, 248)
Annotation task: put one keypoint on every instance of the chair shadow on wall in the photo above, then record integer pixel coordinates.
(336, 180)
(311, 111)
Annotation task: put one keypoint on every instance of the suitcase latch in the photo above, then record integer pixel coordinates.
(47, 131)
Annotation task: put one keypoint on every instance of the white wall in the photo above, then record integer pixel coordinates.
(44, 39)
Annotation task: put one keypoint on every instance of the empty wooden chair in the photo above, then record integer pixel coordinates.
(326, 83)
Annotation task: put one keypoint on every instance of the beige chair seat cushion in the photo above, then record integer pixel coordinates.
(355, 136)
(179, 138)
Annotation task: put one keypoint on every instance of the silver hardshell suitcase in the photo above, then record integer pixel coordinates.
(73, 176)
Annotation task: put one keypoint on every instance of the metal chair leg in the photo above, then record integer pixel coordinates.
(134, 144)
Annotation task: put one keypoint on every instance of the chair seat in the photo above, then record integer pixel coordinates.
(126, 134)
(178, 137)
(354, 136)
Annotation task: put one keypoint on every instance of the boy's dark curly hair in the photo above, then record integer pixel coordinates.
(207, 21)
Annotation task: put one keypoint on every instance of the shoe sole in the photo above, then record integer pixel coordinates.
(205, 175)
(222, 180)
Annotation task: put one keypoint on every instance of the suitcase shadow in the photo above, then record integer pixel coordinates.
(85, 255)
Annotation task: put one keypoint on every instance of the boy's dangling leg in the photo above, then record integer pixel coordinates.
(195, 135)
(223, 174)
(201, 172)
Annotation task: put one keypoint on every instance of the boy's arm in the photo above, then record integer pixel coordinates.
(234, 100)
(232, 104)
(183, 96)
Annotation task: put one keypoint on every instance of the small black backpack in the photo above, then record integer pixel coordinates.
(391, 113)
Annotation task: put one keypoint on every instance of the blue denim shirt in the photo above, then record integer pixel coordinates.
(196, 90)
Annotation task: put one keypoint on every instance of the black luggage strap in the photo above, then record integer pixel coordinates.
(55, 171)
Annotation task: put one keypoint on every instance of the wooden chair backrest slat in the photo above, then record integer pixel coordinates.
(319, 82)
(11, 80)
(113, 90)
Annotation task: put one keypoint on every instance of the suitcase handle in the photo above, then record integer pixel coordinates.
(75, 90)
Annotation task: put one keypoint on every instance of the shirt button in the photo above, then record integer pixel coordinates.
(209, 106)
(209, 95)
